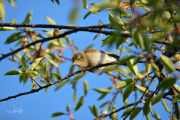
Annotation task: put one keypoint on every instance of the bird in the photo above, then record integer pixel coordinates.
(93, 57)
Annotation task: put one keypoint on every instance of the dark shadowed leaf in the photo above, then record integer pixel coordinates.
(167, 83)
(57, 114)
(135, 113)
(127, 92)
(157, 98)
(61, 84)
(13, 72)
(147, 107)
(14, 37)
(80, 103)
(57, 1)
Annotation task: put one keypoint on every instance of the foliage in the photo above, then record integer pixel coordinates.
(150, 30)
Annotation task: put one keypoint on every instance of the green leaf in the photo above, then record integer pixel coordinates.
(167, 83)
(156, 116)
(95, 36)
(155, 69)
(147, 107)
(95, 9)
(79, 76)
(86, 88)
(74, 95)
(71, 69)
(13, 21)
(28, 17)
(169, 66)
(133, 68)
(114, 116)
(101, 90)
(23, 61)
(115, 20)
(148, 67)
(14, 37)
(13, 72)
(124, 83)
(7, 28)
(35, 63)
(55, 76)
(95, 111)
(86, 15)
(102, 105)
(45, 72)
(102, 96)
(157, 98)
(127, 92)
(61, 84)
(127, 111)
(80, 103)
(57, 1)
(85, 5)
(119, 41)
(2, 10)
(57, 114)
(50, 21)
(34, 73)
(138, 38)
(141, 88)
(12, 3)
(74, 14)
(165, 105)
(53, 62)
(135, 113)
(125, 59)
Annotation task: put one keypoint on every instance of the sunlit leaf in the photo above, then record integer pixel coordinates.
(127, 111)
(85, 4)
(169, 66)
(12, 3)
(133, 68)
(28, 17)
(125, 59)
(23, 61)
(2, 10)
(124, 83)
(13, 72)
(114, 116)
(74, 15)
(34, 73)
(165, 105)
(35, 63)
(101, 90)
(50, 21)
(56, 76)
(86, 88)
(155, 69)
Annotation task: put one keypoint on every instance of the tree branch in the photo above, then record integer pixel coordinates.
(68, 76)
(140, 98)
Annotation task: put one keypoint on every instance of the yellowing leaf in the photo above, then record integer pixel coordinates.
(35, 63)
(51, 21)
(85, 4)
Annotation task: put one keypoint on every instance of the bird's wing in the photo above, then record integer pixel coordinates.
(111, 54)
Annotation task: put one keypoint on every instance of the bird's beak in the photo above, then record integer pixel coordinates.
(73, 63)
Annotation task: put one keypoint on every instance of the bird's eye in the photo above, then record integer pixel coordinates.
(78, 58)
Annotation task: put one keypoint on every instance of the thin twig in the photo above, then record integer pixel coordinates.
(140, 98)
(69, 75)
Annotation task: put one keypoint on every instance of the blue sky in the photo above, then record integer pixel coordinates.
(41, 105)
